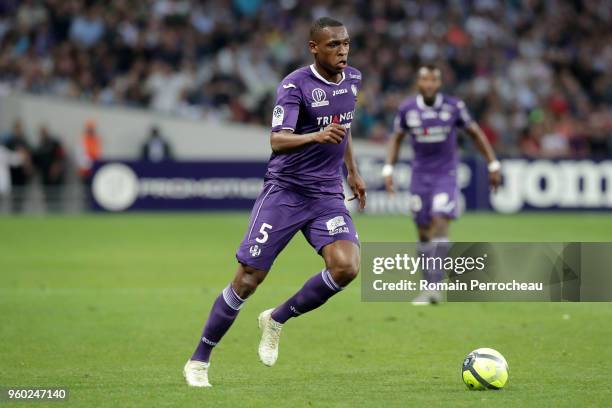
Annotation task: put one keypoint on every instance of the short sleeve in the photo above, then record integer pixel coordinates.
(399, 123)
(287, 107)
(464, 119)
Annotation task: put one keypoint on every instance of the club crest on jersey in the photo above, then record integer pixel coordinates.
(320, 98)
(413, 119)
(255, 251)
(445, 116)
(354, 89)
(337, 225)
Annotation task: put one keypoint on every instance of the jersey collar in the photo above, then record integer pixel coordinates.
(422, 105)
(314, 71)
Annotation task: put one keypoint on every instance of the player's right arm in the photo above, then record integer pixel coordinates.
(285, 141)
(395, 143)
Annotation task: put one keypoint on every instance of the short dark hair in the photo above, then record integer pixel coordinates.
(321, 23)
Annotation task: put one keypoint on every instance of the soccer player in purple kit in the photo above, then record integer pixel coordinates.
(302, 191)
(432, 121)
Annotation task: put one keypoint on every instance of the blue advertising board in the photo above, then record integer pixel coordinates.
(234, 185)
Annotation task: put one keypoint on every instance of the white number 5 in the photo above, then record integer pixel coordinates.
(264, 233)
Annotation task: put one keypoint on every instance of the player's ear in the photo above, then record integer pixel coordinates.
(312, 46)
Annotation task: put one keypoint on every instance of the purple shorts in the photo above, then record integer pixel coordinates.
(279, 213)
(433, 194)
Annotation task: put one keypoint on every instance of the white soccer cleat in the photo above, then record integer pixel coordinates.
(427, 297)
(270, 337)
(196, 373)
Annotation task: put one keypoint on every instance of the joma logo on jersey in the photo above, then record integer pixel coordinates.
(339, 91)
(326, 120)
(320, 98)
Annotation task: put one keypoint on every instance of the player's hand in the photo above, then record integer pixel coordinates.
(494, 180)
(389, 184)
(333, 133)
(358, 187)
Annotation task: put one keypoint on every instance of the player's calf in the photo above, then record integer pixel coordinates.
(224, 311)
(342, 266)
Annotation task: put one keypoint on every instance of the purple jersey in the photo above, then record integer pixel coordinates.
(433, 132)
(306, 103)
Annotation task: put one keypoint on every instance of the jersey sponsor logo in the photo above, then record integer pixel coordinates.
(434, 134)
(354, 89)
(320, 98)
(343, 117)
(354, 76)
(339, 91)
(255, 251)
(430, 114)
(287, 86)
(278, 115)
(337, 225)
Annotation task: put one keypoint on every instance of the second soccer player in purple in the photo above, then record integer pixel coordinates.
(432, 120)
(303, 191)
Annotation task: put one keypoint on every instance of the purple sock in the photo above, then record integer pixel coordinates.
(222, 315)
(436, 248)
(313, 294)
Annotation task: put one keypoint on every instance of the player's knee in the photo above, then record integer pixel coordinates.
(439, 227)
(247, 280)
(344, 270)
(424, 236)
(425, 233)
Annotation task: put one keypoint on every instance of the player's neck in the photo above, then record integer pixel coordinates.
(430, 101)
(334, 77)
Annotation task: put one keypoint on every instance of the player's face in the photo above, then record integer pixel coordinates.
(429, 83)
(331, 48)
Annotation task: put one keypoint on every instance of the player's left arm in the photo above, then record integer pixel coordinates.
(483, 145)
(354, 180)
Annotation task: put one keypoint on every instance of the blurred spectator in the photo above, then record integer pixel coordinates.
(8, 159)
(89, 150)
(223, 59)
(529, 144)
(16, 141)
(87, 26)
(156, 148)
(49, 158)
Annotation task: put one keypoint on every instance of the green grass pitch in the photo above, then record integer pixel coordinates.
(112, 306)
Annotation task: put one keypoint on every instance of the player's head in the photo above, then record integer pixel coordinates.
(429, 81)
(329, 43)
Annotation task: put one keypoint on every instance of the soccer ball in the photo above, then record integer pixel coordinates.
(483, 369)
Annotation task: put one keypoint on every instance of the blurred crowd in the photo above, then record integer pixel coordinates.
(537, 74)
(48, 161)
